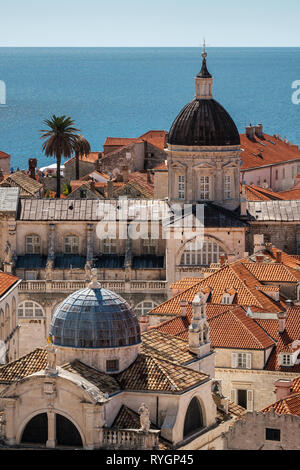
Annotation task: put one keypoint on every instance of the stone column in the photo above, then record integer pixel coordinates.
(9, 411)
(190, 185)
(51, 441)
(128, 257)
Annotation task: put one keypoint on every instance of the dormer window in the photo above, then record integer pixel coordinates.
(226, 299)
(287, 360)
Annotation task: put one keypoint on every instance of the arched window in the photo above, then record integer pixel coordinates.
(29, 309)
(144, 307)
(195, 255)
(193, 419)
(14, 313)
(7, 320)
(71, 245)
(33, 245)
(2, 325)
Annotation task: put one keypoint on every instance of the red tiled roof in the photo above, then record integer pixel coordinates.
(270, 153)
(290, 195)
(287, 406)
(6, 282)
(256, 193)
(229, 328)
(3, 154)
(234, 276)
(156, 138)
(291, 333)
(287, 260)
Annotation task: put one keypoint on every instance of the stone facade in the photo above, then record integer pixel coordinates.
(251, 433)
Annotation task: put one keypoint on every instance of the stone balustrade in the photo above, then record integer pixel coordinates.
(72, 285)
(129, 439)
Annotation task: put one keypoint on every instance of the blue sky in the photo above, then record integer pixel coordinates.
(142, 23)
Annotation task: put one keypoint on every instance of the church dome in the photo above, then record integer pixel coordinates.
(94, 318)
(204, 122)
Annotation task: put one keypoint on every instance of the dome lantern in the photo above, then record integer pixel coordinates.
(204, 80)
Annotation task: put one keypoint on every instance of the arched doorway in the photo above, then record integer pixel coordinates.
(36, 430)
(66, 433)
(193, 419)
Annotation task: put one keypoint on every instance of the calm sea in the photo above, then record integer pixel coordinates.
(124, 92)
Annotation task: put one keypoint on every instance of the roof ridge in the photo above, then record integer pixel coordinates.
(235, 313)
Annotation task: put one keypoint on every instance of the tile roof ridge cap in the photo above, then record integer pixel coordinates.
(176, 364)
(246, 285)
(22, 357)
(236, 313)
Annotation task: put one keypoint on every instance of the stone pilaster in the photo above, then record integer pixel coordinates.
(51, 251)
(89, 413)
(9, 412)
(89, 248)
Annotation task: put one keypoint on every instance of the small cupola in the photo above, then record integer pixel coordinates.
(204, 80)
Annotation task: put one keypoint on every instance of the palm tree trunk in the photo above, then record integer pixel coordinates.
(58, 160)
(77, 166)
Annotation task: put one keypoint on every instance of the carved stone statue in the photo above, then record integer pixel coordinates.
(51, 358)
(144, 417)
(8, 253)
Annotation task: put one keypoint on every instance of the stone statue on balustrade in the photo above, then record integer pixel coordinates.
(144, 418)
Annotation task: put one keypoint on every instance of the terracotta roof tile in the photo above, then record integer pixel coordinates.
(27, 185)
(289, 405)
(236, 276)
(263, 152)
(283, 340)
(104, 382)
(32, 362)
(6, 282)
(273, 272)
(241, 331)
(155, 374)
(158, 344)
(3, 154)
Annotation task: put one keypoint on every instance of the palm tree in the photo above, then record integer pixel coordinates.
(60, 139)
(81, 148)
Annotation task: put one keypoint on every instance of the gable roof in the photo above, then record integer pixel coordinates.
(156, 374)
(28, 186)
(158, 344)
(104, 382)
(4, 155)
(283, 340)
(231, 328)
(236, 276)
(276, 211)
(6, 282)
(256, 193)
(267, 151)
(28, 364)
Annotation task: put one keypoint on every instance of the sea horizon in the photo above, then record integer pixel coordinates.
(126, 91)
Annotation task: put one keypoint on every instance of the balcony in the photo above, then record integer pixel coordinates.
(130, 287)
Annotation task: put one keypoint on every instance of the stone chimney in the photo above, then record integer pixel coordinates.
(32, 164)
(260, 258)
(222, 260)
(282, 316)
(144, 322)
(269, 247)
(259, 131)
(258, 242)
(1, 175)
(250, 132)
(183, 308)
(283, 388)
(278, 256)
(125, 173)
(110, 189)
(93, 185)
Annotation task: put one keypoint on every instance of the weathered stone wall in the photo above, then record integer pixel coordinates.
(283, 235)
(84, 169)
(250, 432)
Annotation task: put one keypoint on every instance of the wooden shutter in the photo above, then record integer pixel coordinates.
(234, 360)
(250, 396)
(234, 395)
(248, 361)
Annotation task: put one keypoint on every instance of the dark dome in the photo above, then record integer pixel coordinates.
(203, 123)
(95, 318)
